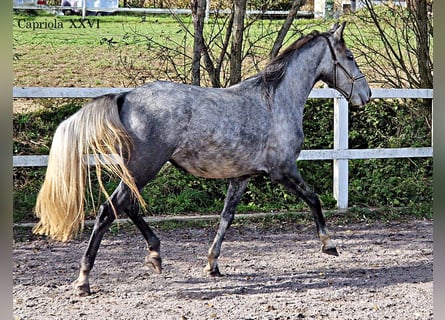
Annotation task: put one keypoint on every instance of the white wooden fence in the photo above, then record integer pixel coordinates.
(340, 154)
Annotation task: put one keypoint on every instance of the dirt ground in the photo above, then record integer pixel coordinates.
(384, 271)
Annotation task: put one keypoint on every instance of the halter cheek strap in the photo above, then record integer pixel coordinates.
(345, 71)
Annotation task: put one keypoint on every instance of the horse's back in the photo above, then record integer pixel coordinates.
(216, 133)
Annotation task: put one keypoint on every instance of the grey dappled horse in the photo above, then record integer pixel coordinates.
(251, 128)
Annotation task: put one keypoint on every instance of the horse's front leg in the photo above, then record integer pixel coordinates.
(234, 193)
(104, 220)
(293, 181)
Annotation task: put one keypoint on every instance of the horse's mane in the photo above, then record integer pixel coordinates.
(273, 73)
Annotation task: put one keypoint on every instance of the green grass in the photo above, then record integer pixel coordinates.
(162, 27)
(72, 33)
(125, 46)
(125, 50)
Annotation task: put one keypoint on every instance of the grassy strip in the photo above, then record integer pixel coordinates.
(116, 48)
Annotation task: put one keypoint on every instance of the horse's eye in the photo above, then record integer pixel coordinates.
(350, 56)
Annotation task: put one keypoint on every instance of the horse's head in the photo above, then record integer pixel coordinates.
(343, 72)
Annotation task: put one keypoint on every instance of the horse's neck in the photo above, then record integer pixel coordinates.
(303, 71)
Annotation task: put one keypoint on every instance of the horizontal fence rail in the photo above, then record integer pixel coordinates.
(340, 154)
(69, 92)
(328, 154)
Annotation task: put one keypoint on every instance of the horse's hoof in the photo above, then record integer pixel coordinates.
(213, 272)
(155, 262)
(82, 290)
(332, 251)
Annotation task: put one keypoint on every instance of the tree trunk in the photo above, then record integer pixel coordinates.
(296, 5)
(420, 11)
(214, 69)
(236, 53)
(198, 13)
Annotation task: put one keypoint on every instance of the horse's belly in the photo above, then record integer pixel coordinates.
(217, 167)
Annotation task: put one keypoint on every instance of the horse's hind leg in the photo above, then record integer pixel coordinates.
(104, 220)
(105, 217)
(153, 258)
(234, 193)
(293, 181)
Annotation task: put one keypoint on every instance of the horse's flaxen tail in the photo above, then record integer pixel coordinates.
(97, 130)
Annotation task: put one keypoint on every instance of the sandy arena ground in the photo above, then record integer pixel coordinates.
(384, 271)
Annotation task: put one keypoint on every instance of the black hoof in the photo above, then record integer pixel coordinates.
(330, 251)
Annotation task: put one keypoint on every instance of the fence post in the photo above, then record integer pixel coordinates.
(341, 167)
(84, 9)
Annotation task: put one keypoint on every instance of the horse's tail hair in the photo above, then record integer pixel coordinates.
(95, 129)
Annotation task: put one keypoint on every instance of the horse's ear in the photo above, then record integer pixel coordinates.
(338, 32)
(334, 27)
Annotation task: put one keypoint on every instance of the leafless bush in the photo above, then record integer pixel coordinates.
(396, 44)
(173, 59)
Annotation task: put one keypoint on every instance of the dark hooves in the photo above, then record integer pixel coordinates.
(330, 251)
(214, 273)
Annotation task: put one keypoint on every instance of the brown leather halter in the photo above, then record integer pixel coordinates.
(337, 65)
